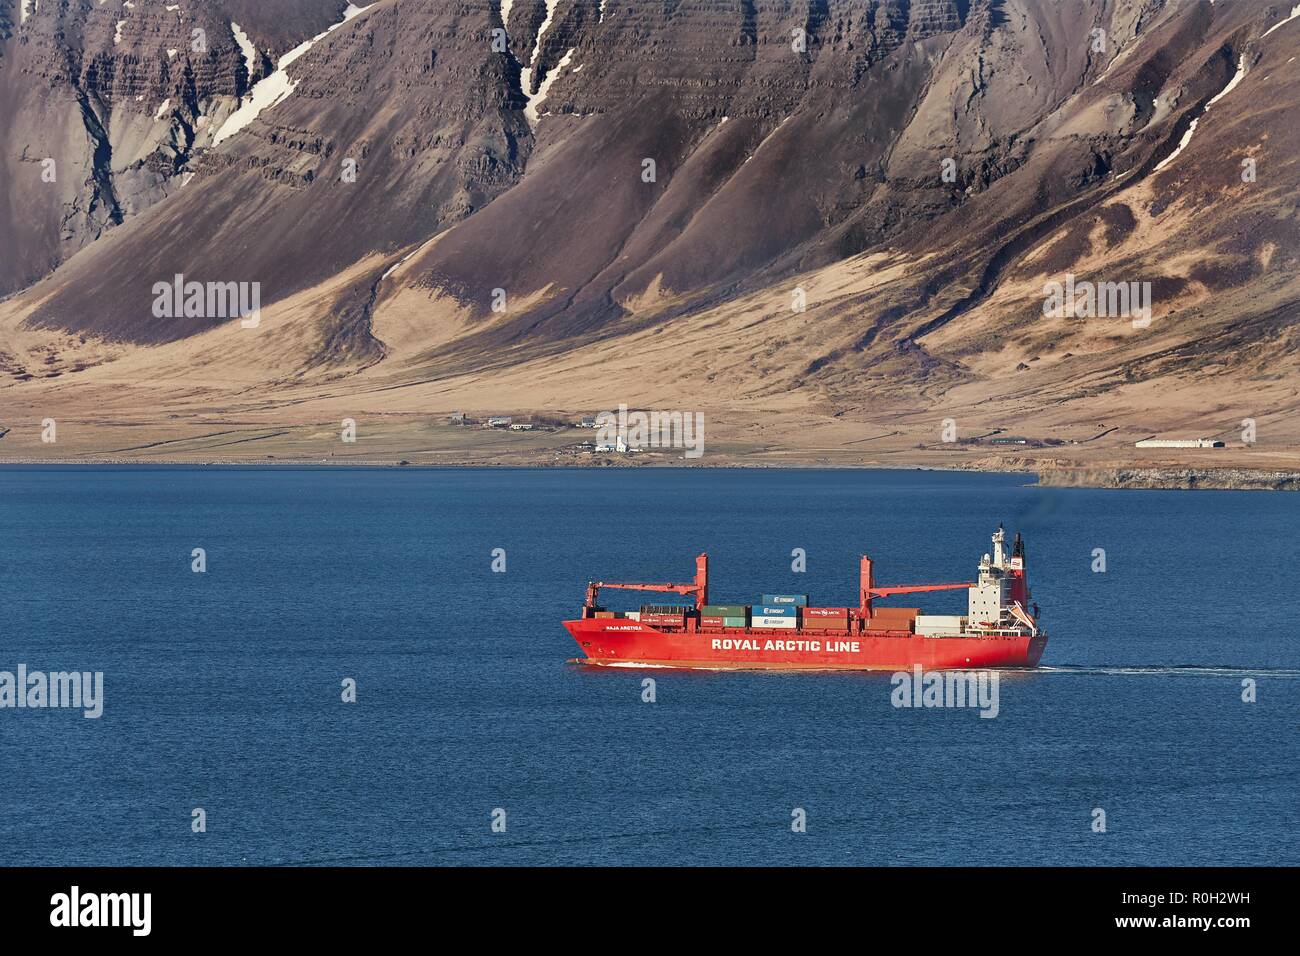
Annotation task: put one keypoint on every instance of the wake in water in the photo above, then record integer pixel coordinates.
(1176, 670)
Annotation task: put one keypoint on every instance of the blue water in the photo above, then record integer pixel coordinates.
(223, 689)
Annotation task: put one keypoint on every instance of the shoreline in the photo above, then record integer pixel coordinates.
(1118, 477)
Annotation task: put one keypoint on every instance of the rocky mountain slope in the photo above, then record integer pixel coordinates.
(118, 98)
(831, 211)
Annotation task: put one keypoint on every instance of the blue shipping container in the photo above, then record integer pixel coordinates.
(775, 610)
(795, 600)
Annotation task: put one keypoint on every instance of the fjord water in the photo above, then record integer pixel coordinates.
(222, 689)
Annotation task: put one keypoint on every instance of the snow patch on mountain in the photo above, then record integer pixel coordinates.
(1187, 136)
(277, 87)
(1232, 83)
(532, 110)
(246, 47)
(526, 73)
(1295, 12)
(541, 31)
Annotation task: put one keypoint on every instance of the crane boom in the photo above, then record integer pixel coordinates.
(699, 588)
(916, 588)
(867, 590)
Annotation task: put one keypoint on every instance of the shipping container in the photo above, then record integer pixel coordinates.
(906, 613)
(799, 600)
(735, 622)
(712, 620)
(776, 610)
(939, 624)
(633, 615)
(939, 620)
(664, 620)
(666, 608)
(892, 618)
(826, 624)
(788, 622)
(825, 612)
(725, 610)
(604, 614)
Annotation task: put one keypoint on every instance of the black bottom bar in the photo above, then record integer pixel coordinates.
(335, 905)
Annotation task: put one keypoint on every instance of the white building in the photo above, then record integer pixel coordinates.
(1180, 443)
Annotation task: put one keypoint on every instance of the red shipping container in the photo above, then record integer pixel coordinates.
(894, 613)
(827, 624)
(893, 619)
(671, 620)
(826, 612)
(711, 622)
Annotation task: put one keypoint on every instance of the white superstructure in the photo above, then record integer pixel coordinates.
(998, 601)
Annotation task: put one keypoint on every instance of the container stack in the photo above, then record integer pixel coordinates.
(724, 615)
(776, 615)
(779, 610)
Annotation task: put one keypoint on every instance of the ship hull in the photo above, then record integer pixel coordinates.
(620, 642)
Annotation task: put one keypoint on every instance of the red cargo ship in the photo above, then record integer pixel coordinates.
(997, 630)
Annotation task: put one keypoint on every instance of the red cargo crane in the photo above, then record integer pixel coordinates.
(868, 590)
(700, 588)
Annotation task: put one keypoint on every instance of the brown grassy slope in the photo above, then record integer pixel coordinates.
(678, 297)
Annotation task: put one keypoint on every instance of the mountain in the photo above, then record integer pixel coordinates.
(831, 224)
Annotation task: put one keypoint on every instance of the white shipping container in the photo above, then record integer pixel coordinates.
(633, 615)
(788, 622)
(940, 625)
(945, 621)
